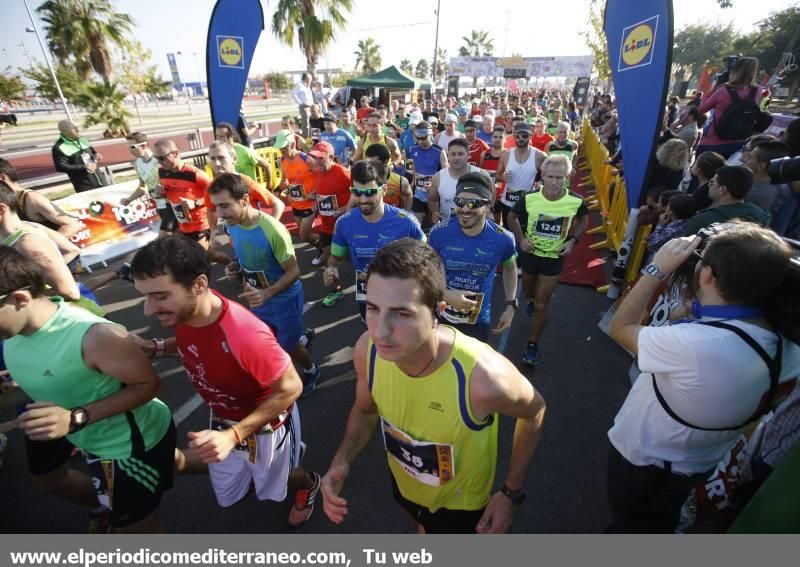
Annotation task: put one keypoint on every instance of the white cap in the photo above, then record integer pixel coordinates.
(433, 120)
(415, 117)
(450, 118)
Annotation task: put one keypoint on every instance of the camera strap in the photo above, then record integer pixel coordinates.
(773, 365)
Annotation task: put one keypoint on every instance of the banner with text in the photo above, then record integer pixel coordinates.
(233, 33)
(639, 35)
(522, 67)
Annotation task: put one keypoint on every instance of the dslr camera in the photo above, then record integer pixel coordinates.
(784, 170)
(6, 118)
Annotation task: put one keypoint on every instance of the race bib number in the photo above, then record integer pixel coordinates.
(182, 211)
(297, 193)
(102, 474)
(247, 449)
(514, 197)
(429, 463)
(550, 228)
(361, 286)
(460, 317)
(423, 182)
(257, 279)
(327, 205)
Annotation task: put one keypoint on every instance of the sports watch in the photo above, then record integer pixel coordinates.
(513, 303)
(655, 271)
(517, 497)
(78, 419)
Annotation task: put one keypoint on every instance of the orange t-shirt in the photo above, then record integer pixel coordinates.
(258, 195)
(540, 142)
(298, 175)
(511, 142)
(186, 190)
(333, 192)
(363, 113)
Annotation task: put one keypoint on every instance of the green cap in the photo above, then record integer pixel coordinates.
(283, 137)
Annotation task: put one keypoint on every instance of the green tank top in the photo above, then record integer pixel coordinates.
(49, 366)
(568, 150)
(440, 455)
(549, 221)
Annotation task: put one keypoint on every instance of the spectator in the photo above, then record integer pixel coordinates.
(670, 166)
(752, 142)
(701, 382)
(764, 193)
(742, 83)
(704, 168)
(651, 211)
(697, 99)
(304, 98)
(689, 126)
(727, 190)
(76, 157)
(245, 129)
(320, 96)
(680, 208)
(673, 109)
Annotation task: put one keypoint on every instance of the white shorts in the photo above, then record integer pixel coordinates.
(278, 455)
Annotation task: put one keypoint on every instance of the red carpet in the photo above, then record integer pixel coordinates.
(584, 266)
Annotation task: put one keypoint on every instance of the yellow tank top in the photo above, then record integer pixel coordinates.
(368, 142)
(440, 455)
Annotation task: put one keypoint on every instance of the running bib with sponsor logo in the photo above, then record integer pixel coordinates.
(410, 165)
(429, 463)
(361, 286)
(549, 227)
(257, 279)
(327, 205)
(315, 133)
(247, 449)
(182, 211)
(460, 317)
(297, 193)
(514, 197)
(423, 182)
(102, 473)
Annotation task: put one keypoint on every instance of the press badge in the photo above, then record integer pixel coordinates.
(429, 463)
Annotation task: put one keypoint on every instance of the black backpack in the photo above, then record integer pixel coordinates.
(740, 118)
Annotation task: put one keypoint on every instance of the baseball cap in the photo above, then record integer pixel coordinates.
(477, 182)
(321, 149)
(415, 118)
(450, 118)
(328, 117)
(433, 120)
(470, 124)
(283, 137)
(462, 111)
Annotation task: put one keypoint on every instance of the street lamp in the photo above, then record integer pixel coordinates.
(47, 59)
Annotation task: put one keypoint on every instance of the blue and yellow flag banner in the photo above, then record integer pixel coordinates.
(639, 35)
(232, 38)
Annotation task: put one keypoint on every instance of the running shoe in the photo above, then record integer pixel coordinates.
(318, 260)
(3, 446)
(304, 503)
(531, 356)
(124, 272)
(307, 338)
(530, 309)
(334, 296)
(310, 380)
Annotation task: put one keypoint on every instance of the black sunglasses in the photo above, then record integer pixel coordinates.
(165, 156)
(462, 203)
(368, 192)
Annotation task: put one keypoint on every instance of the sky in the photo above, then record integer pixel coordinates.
(533, 29)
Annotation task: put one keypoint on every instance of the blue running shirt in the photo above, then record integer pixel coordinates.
(424, 164)
(342, 141)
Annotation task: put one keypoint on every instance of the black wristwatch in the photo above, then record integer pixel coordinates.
(517, 497)
(78, 419)
(513, 303)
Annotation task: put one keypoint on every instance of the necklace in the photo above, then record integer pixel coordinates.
(435, 354)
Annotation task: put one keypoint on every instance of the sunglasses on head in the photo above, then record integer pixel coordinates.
(476, 203)
(368, 192)
(134, 146)
(6, 295)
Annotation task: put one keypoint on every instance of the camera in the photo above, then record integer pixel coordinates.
(724, 76)
(784, 170)
(8, 119)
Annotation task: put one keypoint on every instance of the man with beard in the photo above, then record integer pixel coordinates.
(362, 231)
(518, 168)
(443, 185)
(236, 365)
(476, 145)
(471, 246)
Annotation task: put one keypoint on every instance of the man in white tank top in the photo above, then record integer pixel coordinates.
(450, 133)
(443, 185)
(518, 168)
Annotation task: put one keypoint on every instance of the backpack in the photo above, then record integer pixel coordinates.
(740, 118)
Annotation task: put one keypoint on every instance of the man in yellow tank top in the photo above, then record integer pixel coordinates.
(436, 395)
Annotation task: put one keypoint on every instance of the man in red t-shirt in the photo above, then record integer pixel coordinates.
(186, 190)
(490, 159)
(332, 192)
(476, 145)
(237, 367)
(540, 139)
(364, 111)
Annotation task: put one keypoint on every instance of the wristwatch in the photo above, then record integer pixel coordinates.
(517, 497)
(78, 419)
(655, 271)
(513, 303)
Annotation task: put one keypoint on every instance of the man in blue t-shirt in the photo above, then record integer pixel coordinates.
(362, 231)
(423, 161)
(471, 246)
(267, 267)
(343, 143)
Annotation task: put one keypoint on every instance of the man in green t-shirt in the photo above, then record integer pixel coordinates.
(246, 158)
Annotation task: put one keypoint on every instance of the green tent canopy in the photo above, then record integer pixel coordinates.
(390, 78)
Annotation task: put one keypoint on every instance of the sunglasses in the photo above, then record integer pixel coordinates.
(134, 146)
(368, 192)
(518, 135)
(462, 203)
(6, 295)
(165, 156)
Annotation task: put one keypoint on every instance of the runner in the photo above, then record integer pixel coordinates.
(332, 192)
(185, 189)
(562, 145)
(423, 161)
(240, 371)
(288, 123)
(95, 391)
(437, 394)
(363, 231)
(547, 215)
(471, 246)
(450, 133)
(343, 143)
(518, 168)
(396, 191)
(476, 145)
(246, 157)
(540, 139)
(489, 161)
(374, 136)
(146, 166)
(443, 184)
(267, 267)
(554, 118)
(364, 111)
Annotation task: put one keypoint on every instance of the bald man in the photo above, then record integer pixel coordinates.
(75, 156)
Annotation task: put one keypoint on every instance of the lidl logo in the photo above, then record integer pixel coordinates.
(230, 51)
(638, 40)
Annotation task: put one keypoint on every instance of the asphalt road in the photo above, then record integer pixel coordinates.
(582, 375)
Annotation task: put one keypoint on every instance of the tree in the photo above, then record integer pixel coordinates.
(43, 85)
(279, 81)
(82, 32)
(698, 45)
(11, 87)
(422, 69)
(155, 85)
(442, 64)
(595, 37)
(313, 22)
(105, 104)
(134, 71)
(368, 56)
(478, 44)
(406, 66)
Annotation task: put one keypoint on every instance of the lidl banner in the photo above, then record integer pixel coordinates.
(639, 35)
(233, 34)
(108, 228)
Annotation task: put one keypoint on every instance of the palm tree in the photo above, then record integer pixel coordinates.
(478, 44)
(406, 66)
(368, 56)
(422, 69)
(82, 31)
(442, 64)
(105, 104)
(313, 22)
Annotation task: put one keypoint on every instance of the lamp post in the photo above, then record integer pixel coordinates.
(47, 59)
(185, 88)
(436, 45)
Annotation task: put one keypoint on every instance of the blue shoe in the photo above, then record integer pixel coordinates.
(531, 356)
(307, 338)
(310, 380)
(530, 309)
(124, 272)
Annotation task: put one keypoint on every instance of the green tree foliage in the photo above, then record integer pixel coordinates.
(422, 69)
(478, 44)
(775, 35)
(279, 81)
(406, 66)
(368, 56)
(340, 79)
(312, 22)
(442, 64)
(11, 87)
(595, 37)
(44, 86)
(104, 104)
(81, 33)
(697, 45)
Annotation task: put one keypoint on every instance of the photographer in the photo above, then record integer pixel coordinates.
(703, 379)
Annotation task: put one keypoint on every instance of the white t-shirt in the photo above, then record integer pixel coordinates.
(710, 378)
(147, 171)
